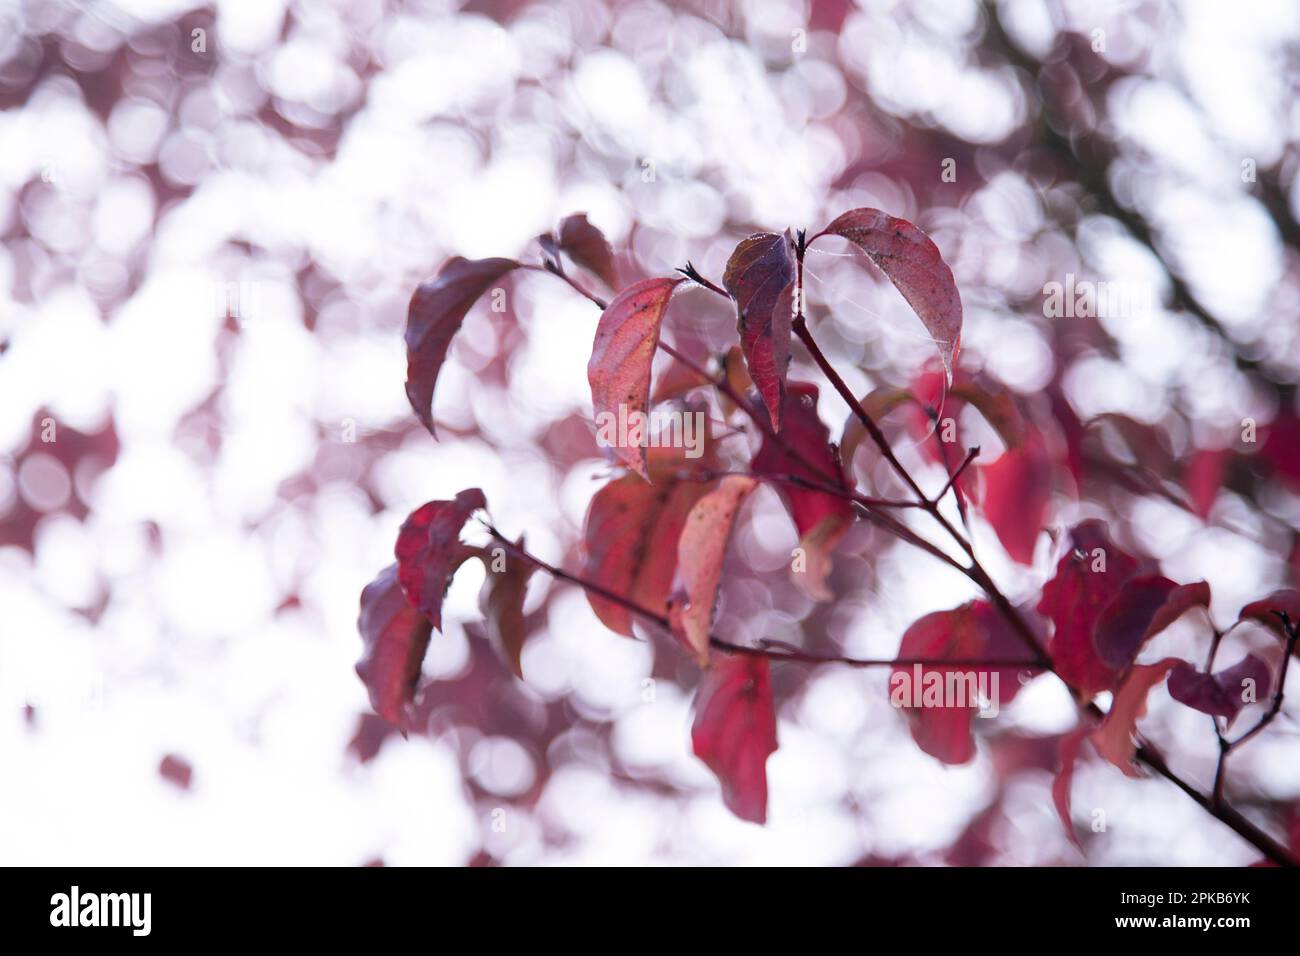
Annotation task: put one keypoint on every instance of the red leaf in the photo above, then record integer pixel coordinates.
(1281, 447)
(820, 518)
(735, 730)
(1114, 738)
(369, 737)
(1286, 600)
(396, 636)
(760, 276)
(1223, 694)
(630, 540)
(1204, 477)
(701, 550)
(1017, 491)
(619, 369)
(429, 550)
(913, 263)
(502, 602)
(437, 309)
(943, 700)
(587, 246)
(1069, 753)
(1088, 576)
(1144, 607)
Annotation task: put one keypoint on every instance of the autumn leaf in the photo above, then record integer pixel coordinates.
(877, 403)
(701, 549)
(1264, 611)
(735, 730)
(437, 310)
(586, 246)
(1225, 693)
(396, 637)
(803, 450)
(619, 370)
(912, 262)
(501, 601)
(1145, 606)
(1114, 738)
(737, 377)
(1088, 576)
(1017, 492)
(760, 277)
(630, 538)
(429, 550)
(1204, 476)
(1069, 755)
(940, 724)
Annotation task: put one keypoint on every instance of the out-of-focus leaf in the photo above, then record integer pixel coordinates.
(370, 734)
(735, 730)
(760, 276)
(587, 246)
(1089, 575)
(820, 517)
(396, 637)
(502, 602)
(1281, 447)
(701, 549)
(1286, 600)
(1069, 754)
(997, 406)
(630, 537)
(1225, 693)
(1204, 477)
(942, 701)
(619, 370)
(437, 310)
(1114, 738)
(1017, 492)
(1145, 606)
(675, 381)
(912, 262)
(429, 550)
(877, 403)
(737, 376)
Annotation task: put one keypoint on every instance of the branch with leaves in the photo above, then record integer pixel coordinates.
(656, 536)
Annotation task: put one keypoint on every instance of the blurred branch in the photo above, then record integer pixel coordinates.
(1091, 168)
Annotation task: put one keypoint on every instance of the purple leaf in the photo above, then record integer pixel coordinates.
(396, 636)
(1223, 694)
(437, 309)
(760, 276)
(1145, 606)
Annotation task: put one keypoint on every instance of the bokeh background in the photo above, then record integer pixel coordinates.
(214, 215)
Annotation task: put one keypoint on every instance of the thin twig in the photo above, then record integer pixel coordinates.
(971, 455)
(785, 653)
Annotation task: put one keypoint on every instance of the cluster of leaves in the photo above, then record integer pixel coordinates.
(656, 536)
